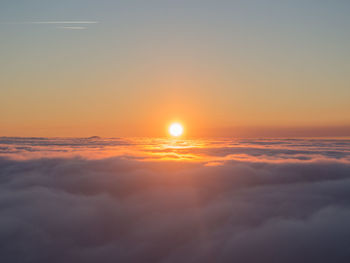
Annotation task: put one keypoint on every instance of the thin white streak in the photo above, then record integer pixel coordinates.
(72, 27)
(66, 22)
(53, 22)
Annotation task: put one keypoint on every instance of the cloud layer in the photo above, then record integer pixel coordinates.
(189, 201)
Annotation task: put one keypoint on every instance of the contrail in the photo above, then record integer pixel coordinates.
(53, 22)
(65, 22)
(72, 27)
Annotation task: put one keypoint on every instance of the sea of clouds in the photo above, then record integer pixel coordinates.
(141, 200)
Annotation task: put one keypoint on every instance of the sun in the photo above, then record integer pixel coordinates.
(176, 129)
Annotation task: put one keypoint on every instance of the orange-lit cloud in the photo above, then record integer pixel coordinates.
(102, 199)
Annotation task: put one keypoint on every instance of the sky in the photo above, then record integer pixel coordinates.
(129, 68)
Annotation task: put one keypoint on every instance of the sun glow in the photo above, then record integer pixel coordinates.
(176, 129)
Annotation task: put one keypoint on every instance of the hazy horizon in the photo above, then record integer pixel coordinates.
(194, 132)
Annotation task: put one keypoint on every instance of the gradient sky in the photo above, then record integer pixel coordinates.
(129, 68)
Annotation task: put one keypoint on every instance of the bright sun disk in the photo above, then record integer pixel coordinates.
(176, 129)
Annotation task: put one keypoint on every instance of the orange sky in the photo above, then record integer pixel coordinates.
(129, 70)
